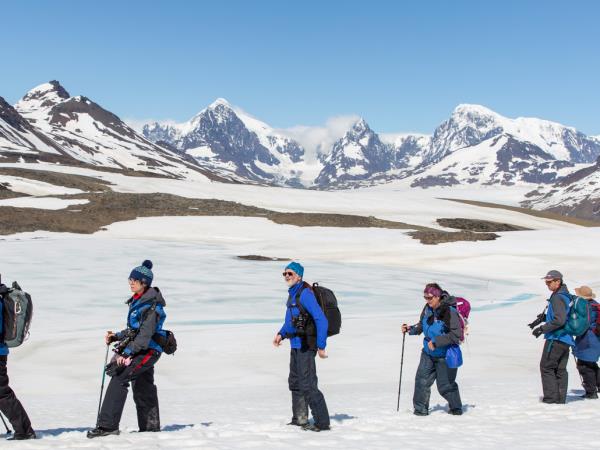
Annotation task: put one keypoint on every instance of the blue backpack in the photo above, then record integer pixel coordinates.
(579, 318)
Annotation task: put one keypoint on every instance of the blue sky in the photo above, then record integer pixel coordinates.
(403, 66)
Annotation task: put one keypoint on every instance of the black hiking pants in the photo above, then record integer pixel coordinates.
(435, 369)
(590, 375)
(553, 368)
(10, 405)
(303, 383)
(140, 373)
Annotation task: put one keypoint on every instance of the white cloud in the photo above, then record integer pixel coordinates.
(318, 140)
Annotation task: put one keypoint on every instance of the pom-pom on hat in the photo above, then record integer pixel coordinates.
(143, 273)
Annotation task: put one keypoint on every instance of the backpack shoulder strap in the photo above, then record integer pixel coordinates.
(305, 285)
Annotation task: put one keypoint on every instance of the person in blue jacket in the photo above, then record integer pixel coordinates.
(306, 328)
(587, 347)
(135, 357)
(553, 364)
(10, 405)
(440, 325)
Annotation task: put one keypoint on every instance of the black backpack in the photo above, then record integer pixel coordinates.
(328, 303)
(17, 311)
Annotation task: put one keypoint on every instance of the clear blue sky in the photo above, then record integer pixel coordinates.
(403, 66)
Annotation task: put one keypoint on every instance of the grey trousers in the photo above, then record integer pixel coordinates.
(553, 369)
(303, 383)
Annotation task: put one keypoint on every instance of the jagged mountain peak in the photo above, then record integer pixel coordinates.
(359, 130)
(41, 97)
(220, 102)
(474, 109)
(360, 126)
(52, 87)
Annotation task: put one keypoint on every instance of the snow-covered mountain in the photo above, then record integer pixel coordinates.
(233, 143)
(577, 194)
(89, 134)
(19, 139)
(470, 125)
(478, 146)
(362, 156)
(474, 146)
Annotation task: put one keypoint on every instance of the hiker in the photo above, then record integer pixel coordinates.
(553, 364)
(302, 307)
(135, 356)
(587, 347)
(10, 405)
(441, 326)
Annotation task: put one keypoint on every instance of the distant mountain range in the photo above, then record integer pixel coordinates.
(474, 146)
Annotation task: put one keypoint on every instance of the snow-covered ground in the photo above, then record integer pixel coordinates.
(41, 203)
(227, 386)
(394, 201)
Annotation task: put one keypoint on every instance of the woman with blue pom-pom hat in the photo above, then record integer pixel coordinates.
(136, 353)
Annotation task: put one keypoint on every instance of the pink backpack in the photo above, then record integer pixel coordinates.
(464, 309)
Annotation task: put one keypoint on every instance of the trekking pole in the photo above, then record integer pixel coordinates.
(102, 387)
(8, 430)
(401, 364)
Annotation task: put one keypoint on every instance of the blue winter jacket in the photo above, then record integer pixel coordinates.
(139, 314)
(311, 306)
(556, 317)
(3, 347)
(442, 326)
(587, 347)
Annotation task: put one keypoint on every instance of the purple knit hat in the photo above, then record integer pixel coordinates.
(432, 290)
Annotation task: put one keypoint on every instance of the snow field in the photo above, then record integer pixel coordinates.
(227, 386)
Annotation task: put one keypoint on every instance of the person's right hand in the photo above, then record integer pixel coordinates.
(277, 340)
(405, 328)
(110, 337)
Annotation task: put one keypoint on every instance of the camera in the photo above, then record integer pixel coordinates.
(299, 322)
(538, 320)
(123, 343)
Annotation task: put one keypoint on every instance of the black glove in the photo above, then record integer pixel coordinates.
(537, 332)
(112, 369)
(3, 289)
(539, 319)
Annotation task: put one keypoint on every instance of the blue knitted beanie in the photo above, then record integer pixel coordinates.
(296, 267)
(143, 273)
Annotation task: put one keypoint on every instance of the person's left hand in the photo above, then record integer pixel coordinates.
(322, 353)
(537, 332)
(431, 345)
(123, 360)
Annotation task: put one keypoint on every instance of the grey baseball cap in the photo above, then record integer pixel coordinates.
(553, 275)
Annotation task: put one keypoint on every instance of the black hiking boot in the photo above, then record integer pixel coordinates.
(99, 432)
(315, 428)
(455, 412)
(590, 395)
(298, 421)
(22, 436)
(420, 413)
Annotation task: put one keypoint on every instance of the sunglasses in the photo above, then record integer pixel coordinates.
(428, 297)
(550, 281)
(288, 274)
